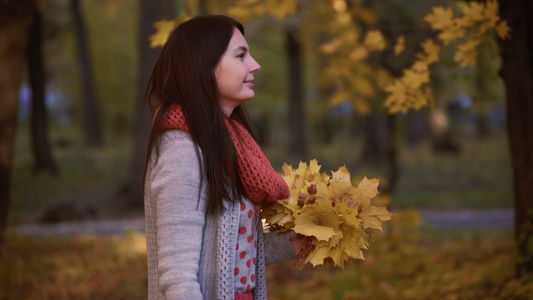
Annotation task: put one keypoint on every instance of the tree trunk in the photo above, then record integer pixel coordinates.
(392, 156)
(16, 18)
(377, 139)
(296, 114)
(39, 120)
(150, 12)
(517, 73)
(92, 132)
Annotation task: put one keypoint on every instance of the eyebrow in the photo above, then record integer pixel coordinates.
(241, 48)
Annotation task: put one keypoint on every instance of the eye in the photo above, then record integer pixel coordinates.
(241, 55)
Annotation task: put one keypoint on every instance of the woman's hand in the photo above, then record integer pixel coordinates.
(296, 240)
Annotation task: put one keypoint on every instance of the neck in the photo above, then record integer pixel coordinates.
(227, 111)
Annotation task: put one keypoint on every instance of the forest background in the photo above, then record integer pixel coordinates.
(451, 154)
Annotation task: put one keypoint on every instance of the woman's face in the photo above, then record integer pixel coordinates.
(235, 74)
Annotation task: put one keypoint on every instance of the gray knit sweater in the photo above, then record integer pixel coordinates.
(191, 255)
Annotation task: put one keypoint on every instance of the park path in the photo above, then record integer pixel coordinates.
(437, 219)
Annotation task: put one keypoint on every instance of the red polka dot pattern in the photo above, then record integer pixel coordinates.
(245, 260)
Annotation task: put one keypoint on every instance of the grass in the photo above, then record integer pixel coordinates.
(88, 176)
(479, 177)
(402, 263)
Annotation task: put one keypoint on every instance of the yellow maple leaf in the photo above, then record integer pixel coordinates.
(341, 175)
(396, 98)
(332, 46)
(319, 220)
(359, 53)
(339, 6)
(365, 190)
(414, 80)
(431, 50)
(399, 47)
(281, 9)
(420, 66)
(321, 252)
(451, 33)
(374, 217)
(374, 40)
(314, 167)
(163, 30)
(466, 53)
(440, 18)
(492, 11)
(383, 77)
(286, 169)
(503, 30)
(474, 12)
(353, 240)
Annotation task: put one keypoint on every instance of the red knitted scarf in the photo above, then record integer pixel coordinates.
(260, 180)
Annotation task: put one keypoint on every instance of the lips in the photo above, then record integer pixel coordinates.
(250, 82)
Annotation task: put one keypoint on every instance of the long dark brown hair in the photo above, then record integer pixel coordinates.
(185, 74)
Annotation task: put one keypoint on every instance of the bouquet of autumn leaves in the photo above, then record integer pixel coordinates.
(335, 216)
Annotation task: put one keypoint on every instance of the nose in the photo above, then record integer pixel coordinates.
(254, 66)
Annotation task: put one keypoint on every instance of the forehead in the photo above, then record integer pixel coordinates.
(237, 40)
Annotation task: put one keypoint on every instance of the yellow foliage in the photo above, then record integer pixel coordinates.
(360, 104)
(400, 45)
(359, 53)
(366, 16)
(474, 12)
(412, 90)
(244, 10)
(339, 98)
(466, 53)
(337, 215)
(163, 30)
(363, 86)
(374, 40)
(339, 6)
(441, 18)
(450, 34)
(431, 52)
(282, 8)
(409, 91)
(503, 30)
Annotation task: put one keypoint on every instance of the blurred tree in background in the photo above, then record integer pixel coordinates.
(149, 13)
(92, 130)
(328, 68)
(16, 20)
(39, 115)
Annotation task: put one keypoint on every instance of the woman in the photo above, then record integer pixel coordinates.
(205, 176)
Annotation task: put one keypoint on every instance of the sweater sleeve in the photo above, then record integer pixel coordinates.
(278, 247)
(175, 183)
